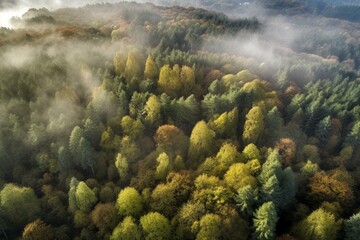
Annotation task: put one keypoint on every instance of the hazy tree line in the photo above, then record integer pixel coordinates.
(160, 141)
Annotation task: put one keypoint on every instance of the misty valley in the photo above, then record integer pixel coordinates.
(206, 120)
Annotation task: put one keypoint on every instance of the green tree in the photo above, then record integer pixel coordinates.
(85, 197)
(129, 202)
(352, 227)
(353, 137)
(72, 199)
(265, 220)
(163, 166)
(319, 225)
(131, 127)
(122, 166)
(254, 125)
(19, 204)
(155, 226)
(251, 152)
(245, 199)
(152, 112)
(126, 230)
(226, 124)
(323, 128)
(201, 142)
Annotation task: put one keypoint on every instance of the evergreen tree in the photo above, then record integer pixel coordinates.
(265, 220)
(352, 227)
(245, 199)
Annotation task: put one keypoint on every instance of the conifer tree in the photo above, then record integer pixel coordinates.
(265, 220)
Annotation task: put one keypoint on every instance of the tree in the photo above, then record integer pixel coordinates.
(251, 152)
(155, 226)
(265, 219)
(187, 79)
(353, 137)
(245, 199)
(287, 151)
(122, 166)
(87, 154)
(172, 140)
(325, 188)
(277, 185)
(126, 230)
(152, 112)
(163, 200)
(64, 159)
(85, 197)
(323, 129)
(134, 65)
(19, 204)
(120, 62)
(151, 70)
(273, 124)
(163, 166)
(226, 124)
(131, 127)
(201, 142)
(38, 230)
(352, 227)
(254, 125)
(72, 199)
(319, 225)
(104, 216)
(239, 176)
(129, 202)
(210, 227)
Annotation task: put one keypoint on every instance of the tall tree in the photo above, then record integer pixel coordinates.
(265, 220)
(254, 125)
(151, 71)
(201, 142)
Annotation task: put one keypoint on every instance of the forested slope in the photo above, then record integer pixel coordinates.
(132, 121)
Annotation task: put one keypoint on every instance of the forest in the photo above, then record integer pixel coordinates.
(132, 121)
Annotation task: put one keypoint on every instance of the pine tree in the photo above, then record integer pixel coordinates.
(245, 199)
(265, 220)
(352, 227)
